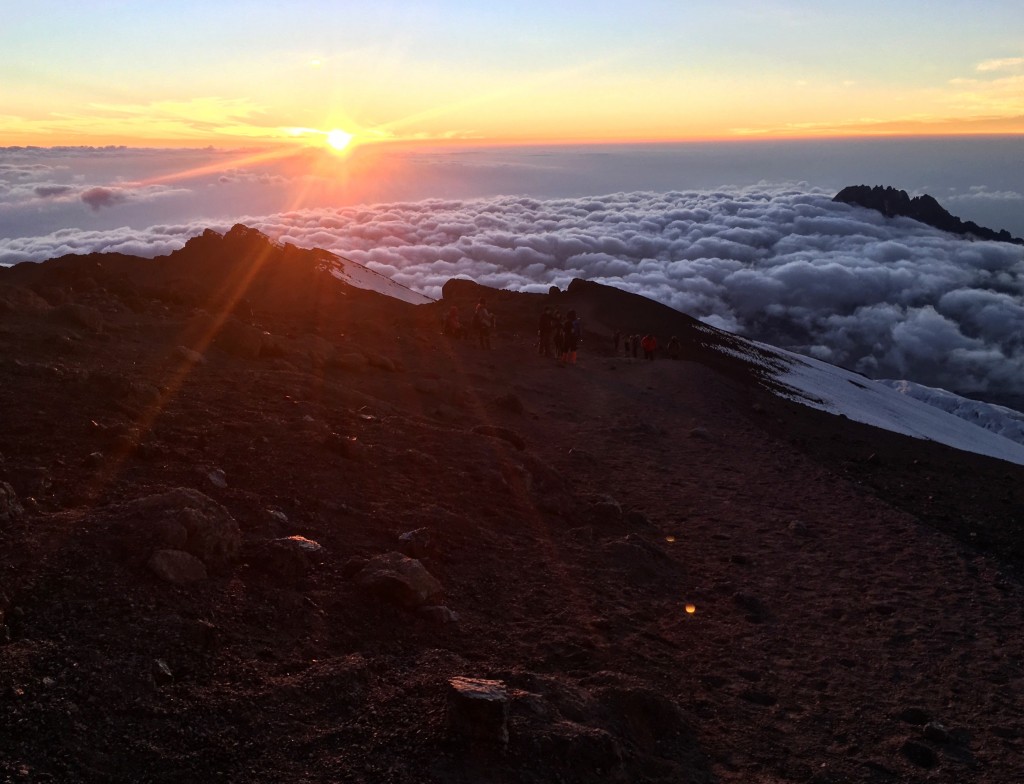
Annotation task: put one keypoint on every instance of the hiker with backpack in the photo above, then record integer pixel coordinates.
(452, 323)
(572, 331)
(649, 343)
(483, 323)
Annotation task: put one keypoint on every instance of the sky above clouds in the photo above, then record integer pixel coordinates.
(233, 73)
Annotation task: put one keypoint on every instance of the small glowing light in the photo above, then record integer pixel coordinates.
(691, 609)
(316, 63)
(670, 539)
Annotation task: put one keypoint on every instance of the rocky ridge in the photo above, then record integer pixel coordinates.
(892, 203)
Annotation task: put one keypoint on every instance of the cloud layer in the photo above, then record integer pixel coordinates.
(785, 265)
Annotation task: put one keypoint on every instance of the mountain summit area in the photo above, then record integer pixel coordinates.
(261, 523)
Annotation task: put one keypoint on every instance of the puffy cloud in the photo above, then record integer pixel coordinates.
(103, 197)
(46, 191)
(782, 264)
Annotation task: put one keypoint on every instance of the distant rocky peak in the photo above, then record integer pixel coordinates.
(894, 203)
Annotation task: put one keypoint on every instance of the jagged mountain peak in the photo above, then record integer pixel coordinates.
(925, 208)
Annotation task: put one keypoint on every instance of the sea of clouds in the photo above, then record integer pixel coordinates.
(780, 263)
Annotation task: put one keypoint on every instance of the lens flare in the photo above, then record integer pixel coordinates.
(691, 609)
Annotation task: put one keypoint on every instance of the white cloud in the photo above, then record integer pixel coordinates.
(1002, 64)
(784, 265)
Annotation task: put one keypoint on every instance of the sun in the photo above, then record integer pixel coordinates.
(338, 139)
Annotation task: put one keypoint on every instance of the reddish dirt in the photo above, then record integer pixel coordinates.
(858, 601)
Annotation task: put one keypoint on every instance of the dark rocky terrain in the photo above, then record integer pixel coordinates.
(172, 427)
(892, 203)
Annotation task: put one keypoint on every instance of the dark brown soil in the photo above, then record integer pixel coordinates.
(858, 607)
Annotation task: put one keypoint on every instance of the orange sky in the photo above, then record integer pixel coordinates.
(203, 74)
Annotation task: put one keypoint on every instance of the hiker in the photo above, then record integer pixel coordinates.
(452, 323)
(558, 332)
(571, 333)
(634, 343)
(674, 347)
(617, 338)
(544, 333)
(483, 323)
(649, 344)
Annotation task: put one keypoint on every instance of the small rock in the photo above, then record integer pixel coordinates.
(919, 754)
(49, 682)
(934, 731)
(700, 433)
(916, 716)
(418, 544)
(177, 566)
(439, 614)
(799, 528)
(161, 673)
(218, 478)
(478, 710)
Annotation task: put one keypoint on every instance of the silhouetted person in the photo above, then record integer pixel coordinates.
(544, 333)
(674, 347)
(650, 345)
(571, 333)
(452, 323)
(483, 323)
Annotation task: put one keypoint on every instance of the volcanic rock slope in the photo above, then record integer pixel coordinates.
(254, 521)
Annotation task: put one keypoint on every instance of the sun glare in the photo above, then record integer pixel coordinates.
(338, 140)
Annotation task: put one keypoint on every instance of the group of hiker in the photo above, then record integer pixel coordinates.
(558, 335)
(633, 344)
(481, 326)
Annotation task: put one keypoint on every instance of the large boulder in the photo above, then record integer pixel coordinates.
(209, 531)
(290, 557)
(404, 581)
